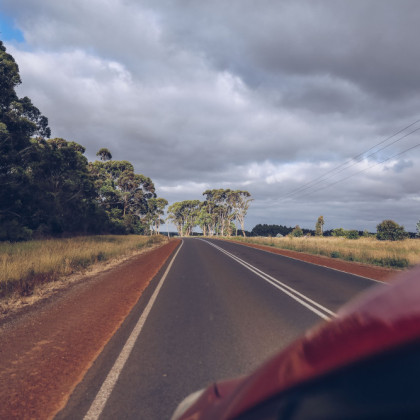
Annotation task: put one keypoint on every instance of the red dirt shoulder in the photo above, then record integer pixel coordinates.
(45, 353)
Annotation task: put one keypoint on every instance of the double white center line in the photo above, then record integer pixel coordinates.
(315, 307)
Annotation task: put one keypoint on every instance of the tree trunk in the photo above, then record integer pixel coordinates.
(242, 222)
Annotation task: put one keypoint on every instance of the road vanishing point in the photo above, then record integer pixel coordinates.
(217, 310)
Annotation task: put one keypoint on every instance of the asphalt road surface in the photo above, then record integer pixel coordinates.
(216, 311)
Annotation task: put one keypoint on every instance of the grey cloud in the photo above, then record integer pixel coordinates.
(266, 95)
(360, 41)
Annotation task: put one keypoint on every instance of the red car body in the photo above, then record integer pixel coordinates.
(365, 363)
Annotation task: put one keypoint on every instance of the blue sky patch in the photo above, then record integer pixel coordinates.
(8, 31)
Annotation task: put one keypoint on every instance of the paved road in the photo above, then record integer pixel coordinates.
(222, 309)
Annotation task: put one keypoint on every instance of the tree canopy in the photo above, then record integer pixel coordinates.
(48, 187)
(216, 215)
(20, 121)
(388, 230)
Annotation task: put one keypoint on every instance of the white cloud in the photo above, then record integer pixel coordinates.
(206, 94)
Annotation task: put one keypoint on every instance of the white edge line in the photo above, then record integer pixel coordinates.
(103, 394)
(301, 301)
(307, 262)
(253, 269)
(278, 282)
(271, 279)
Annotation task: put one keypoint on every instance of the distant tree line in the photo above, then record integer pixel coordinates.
(386, 230)
(215, 216)
(48, 187)
(277, 230)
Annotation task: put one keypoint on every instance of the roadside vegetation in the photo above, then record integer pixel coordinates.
(367, 250)
(48, 188)
(217, 215)
(23, 265)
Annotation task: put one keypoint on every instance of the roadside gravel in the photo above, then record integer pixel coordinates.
(46, 351)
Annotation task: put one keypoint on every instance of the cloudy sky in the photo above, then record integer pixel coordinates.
(298, 102)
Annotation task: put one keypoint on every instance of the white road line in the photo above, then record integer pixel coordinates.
(307, 262)
(278, 282)
(102, 396)
(315, 307)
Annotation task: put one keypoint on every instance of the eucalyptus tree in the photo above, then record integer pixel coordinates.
(205, 219)
(184, 215)
(121, 192)
(319, 230)
(64, 191)
(175, 216)
(215, 215)
(226, 206)
(20, 121)
(104, 154)
(240, 201)
(48, 186)
(155, 211)
(222, 208)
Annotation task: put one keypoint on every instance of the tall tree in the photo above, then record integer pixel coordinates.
(122, 193)
(48, 186)
(184, 215)
(222, 208)
(155, 211)
(63, 189)
(240, 202)
(319, 227)
(208, 218)
(104, 154)
(20, 120)
(205, 220)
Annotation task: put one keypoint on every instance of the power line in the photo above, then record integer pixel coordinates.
(363, 170)
(352, 163)
(358, 157)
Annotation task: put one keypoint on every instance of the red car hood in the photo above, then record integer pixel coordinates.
(385, 317)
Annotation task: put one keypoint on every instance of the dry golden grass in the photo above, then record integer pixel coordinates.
(397, 254)
(22, 265)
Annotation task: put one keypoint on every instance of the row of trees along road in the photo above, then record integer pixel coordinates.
(216, 215)
(48, 187)
(129, 199)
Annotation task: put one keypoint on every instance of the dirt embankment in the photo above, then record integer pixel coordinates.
(369, 271)
(46, 351)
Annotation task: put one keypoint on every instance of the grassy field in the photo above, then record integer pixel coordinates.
(397, 254)
(25, 264)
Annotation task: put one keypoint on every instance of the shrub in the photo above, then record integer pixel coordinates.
(388, 230)
(297, 232)
(392, 262)
(338, 232)
(352, 234)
